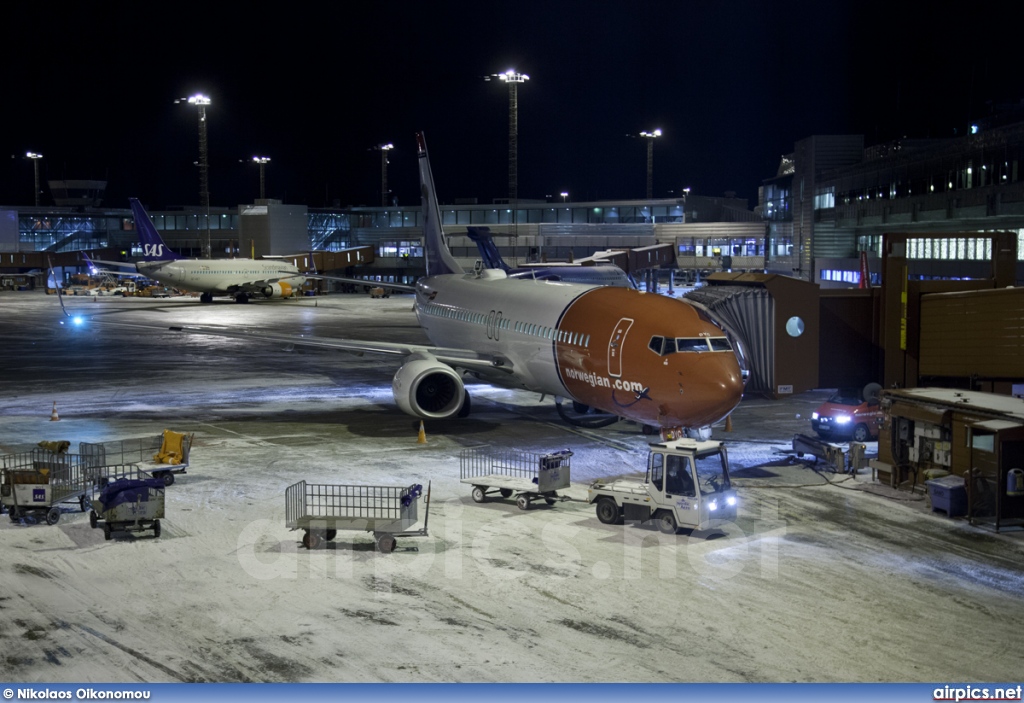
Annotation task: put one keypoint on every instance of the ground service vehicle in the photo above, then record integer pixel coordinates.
(849, 413)
(686, 486)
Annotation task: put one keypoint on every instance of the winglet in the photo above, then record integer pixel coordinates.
(88, 262)
(439, 258)
(153, 247)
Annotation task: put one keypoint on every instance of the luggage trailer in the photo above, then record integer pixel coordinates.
(526, 475)
(386, 511)
(34, 484)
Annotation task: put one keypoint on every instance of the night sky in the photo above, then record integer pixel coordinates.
(732, 84)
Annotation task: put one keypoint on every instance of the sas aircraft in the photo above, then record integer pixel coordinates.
(627, 354)
(240, 278)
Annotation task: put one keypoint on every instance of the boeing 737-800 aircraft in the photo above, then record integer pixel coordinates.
(638, 356)
(240, 278)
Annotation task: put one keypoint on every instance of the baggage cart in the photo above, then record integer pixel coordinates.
(33, 484)
(130, 500)
(525, 475)
(386, 511)
(162, 455)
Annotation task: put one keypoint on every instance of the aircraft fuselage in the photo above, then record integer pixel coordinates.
(593, 344)
(223, 276)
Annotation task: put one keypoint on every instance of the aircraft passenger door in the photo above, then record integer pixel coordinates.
(615, 344)
(493, 324)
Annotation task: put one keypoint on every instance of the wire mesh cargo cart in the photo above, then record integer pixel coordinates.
(526, 475)
(386, 511)
(131, 500)
(34, 484)
(162, 455)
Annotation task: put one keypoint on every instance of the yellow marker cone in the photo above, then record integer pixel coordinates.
(54, 416)
(422, 437)
(728, 423)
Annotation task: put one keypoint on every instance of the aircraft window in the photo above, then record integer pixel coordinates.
(670, 346)
(692, 344)
(657, 471)
(720, 344)
(679, 480)
(586, 342)
(656, 344)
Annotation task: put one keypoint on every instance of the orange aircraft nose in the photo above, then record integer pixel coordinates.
(727, 386)
(713, 387)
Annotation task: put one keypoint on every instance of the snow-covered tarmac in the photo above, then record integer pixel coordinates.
(822, 578)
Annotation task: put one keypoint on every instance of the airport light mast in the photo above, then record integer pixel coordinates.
(34, 158)
(262, 161)
(650, 137)
(513, 80)
(201, 101)
(384, 149)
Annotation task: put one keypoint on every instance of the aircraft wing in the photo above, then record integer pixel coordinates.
(258, 286)
(466, 359)
(363, 282)
(123, 264)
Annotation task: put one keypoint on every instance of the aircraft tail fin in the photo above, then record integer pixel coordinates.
(439, 258)
(153, 246)
(488, 249)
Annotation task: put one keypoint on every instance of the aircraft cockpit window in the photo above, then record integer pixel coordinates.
(692, 344)
(720, 344)
(663, 346)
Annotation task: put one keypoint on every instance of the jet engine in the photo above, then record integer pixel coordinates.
(426, 388)
(277, 290)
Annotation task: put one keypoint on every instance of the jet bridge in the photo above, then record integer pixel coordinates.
(774, 321)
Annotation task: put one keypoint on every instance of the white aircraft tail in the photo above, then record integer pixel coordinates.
(439, 258)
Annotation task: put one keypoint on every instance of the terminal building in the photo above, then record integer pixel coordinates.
(818, 219)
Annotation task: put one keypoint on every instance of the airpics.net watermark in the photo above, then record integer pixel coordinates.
(502, 549)
(977, 693)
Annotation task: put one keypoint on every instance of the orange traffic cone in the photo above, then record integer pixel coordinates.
(728, 423)
(54, 416)
(422, 437)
